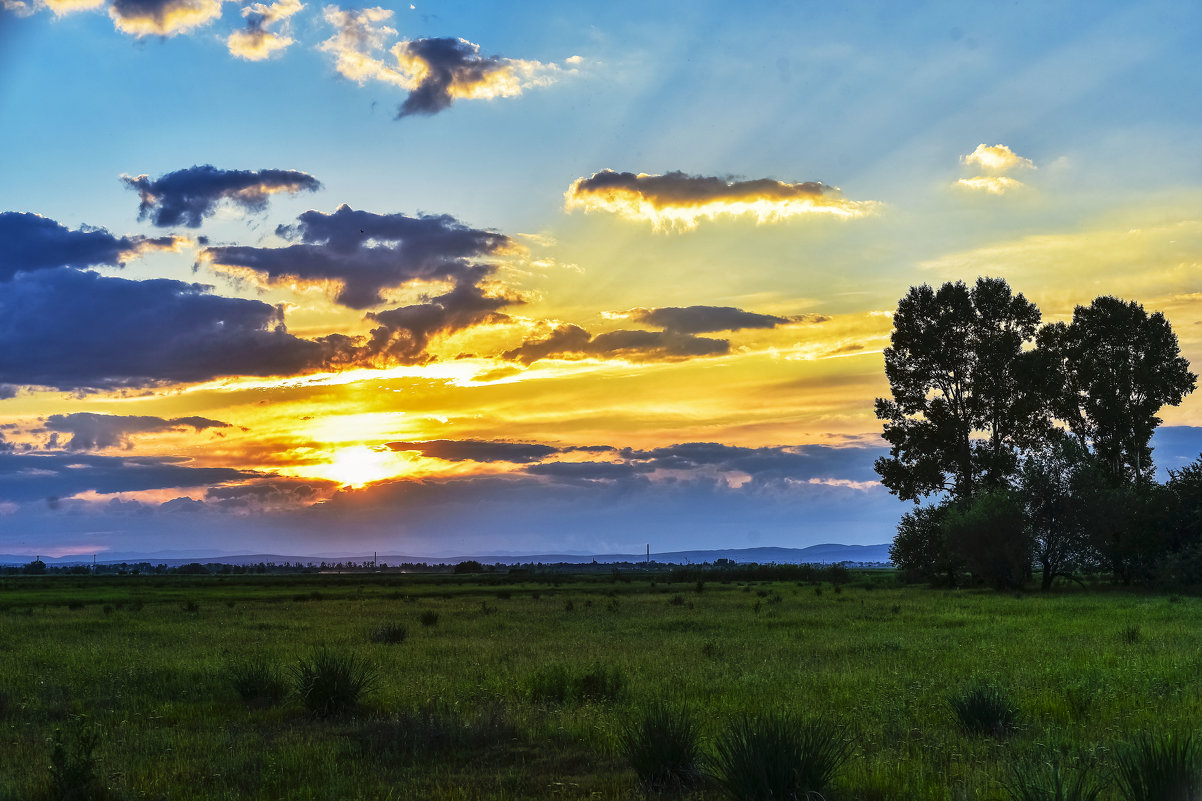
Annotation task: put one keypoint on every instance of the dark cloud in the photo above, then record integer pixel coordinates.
(453, 68)
(797, 462)
(705, 319)
(162, 17)
(573, 342)
(186, 197)
(475, 450)
(32, 242)
(404, 333)
(36, 476)
(583, 471)
(78, 330)
(268, 494)
(368, 252)
(90, 431)
(679, 199)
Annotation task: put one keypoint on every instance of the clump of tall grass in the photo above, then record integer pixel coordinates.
(984, 709)
(332, 683)
(257, 681)
(1131, 634)
(561, 684)
(1166, 767)
(72, 768)
(778, 756)
(429, 618)
(663, 746)
(1047, 782)
(434, 729)
(389, 634)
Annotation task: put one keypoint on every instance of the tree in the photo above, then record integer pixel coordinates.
(961, 409)
(1054, 514)
(1107, 374)
(921, 549)
(990, 533)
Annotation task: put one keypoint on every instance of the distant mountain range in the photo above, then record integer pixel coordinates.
(814, 554)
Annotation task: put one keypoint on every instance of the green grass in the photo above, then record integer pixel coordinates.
(151, 678)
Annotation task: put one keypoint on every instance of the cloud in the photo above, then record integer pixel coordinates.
(17, 7)
(705, 319)
(435, 71)
(567, 341)
(64, 7)
(186, 197)
(444, 70)
(404, 333)
(995, 160)
(256, 42)
(90, 431)
(33, 242)
(475, 450)
(37, 476)
(78, 330)
(367, 253)
(162, 17)
(677, 200)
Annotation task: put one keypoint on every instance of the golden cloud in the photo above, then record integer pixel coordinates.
(63, 7)
(993, 184)
(677, 200)
(257, 42)
(359, 33)
(997, 159)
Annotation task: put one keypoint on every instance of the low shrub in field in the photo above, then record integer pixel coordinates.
(663, 746)
(257, 681)
(984, 709)
(1046, 782)
(433, 730)
(1131, 635)
(332, 683)
(429, 618)
(778, 756)
(1166, 767)
(72, 767)
(560, 684)
(389, 634)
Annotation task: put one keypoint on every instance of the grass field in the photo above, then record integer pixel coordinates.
(489, 690)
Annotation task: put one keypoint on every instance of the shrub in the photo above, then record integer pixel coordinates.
(560, 684)
(664, 748)
(257, 682)
(1162, 768)
(779, 757)
(72, 767)
(1132, 634)
(389, 634)
(330, 683)
(429, 618)
(984, 709)
(1046, 782)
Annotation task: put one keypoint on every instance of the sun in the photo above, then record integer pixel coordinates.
(357, 465)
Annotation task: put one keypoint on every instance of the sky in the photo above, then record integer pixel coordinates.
(451, 278)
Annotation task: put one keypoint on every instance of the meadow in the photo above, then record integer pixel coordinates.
(193, 687)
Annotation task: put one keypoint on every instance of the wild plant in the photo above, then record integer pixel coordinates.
(332, 683)
(389, 634)
(984, 709)
(72, 768)
(1164, 767)
(663, 746)
(1030, 781)
(778, 756)
(429, 618)
(257, 681)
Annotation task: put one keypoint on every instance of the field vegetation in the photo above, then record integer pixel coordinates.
(612, 687)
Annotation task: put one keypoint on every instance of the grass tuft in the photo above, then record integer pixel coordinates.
(1166, 767)
(1046, 782)
(331, 683)
(663, 746)
(779, 757)
(984, 709)
(389, 634)
(257, 681)
(429, 618)
(560, 684)
(72, 767)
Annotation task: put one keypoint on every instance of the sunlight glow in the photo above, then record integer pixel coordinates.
(357, 466)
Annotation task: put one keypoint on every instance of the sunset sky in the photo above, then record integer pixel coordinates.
(481, 278)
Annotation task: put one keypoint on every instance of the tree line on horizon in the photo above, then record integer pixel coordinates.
(1029, 443)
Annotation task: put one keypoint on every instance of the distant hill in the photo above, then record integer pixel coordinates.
(816, 554)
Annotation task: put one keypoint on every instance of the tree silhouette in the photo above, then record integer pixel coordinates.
(961, 408)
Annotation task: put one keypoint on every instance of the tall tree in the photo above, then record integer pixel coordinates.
(1108, 373)
(961, 410)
